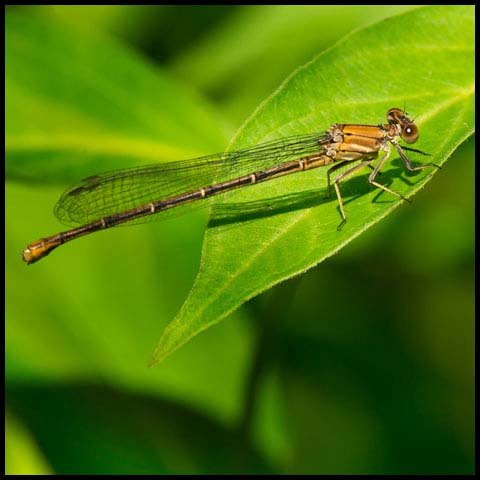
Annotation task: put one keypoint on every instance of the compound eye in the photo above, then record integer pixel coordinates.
(410, 133)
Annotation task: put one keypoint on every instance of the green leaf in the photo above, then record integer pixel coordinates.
(424, 58)
(78, 102)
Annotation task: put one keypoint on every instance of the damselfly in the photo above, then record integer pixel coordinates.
(136, 194)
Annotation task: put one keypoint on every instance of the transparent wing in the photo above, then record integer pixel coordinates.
(116, 191)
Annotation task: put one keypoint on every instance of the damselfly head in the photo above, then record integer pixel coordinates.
(408, 129)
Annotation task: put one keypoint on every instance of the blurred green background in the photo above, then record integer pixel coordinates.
(362, 365)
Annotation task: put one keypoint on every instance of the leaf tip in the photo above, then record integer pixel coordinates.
(157, 357)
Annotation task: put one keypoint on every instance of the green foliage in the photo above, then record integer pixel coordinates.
(255, 251)
(137, 448)
(79, 103)
(363, 365)
(22, 457)
(236, 76)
